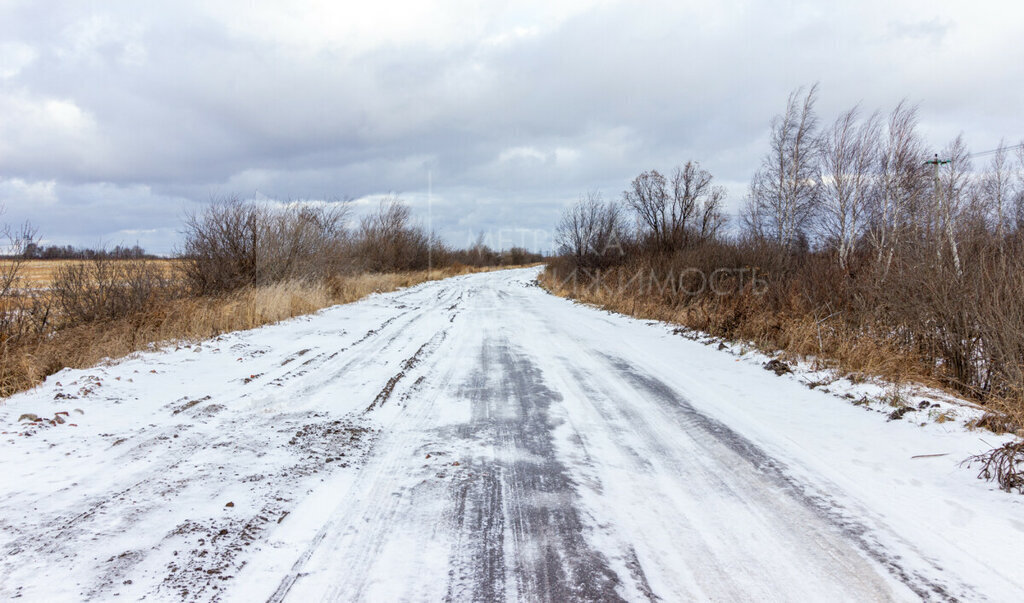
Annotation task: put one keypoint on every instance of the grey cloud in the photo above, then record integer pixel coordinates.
(134, 108)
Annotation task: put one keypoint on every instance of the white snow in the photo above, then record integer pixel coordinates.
(645, 462)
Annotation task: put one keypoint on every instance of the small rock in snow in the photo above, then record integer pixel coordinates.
(777, 366)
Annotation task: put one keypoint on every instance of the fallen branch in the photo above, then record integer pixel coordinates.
(1002, 464)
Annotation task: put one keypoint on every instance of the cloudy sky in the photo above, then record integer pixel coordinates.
(117, 117)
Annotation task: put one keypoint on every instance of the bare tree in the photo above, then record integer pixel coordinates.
(997, 191)
(751, 216)
(953, 194)
(1018, 198)
(784, 191)
(849, 155)
(696, 205)
(712, 218)
(19, 239)
(591, 231)
(649, 197)
(677, 212)
(900, 185)
(28, 313)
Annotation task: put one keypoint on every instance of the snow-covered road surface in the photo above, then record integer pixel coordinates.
(479, 439)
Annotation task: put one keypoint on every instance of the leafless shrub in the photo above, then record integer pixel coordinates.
(389, 240)
(518, 256)
(244, 265)
(105, 289)
(305, 241)
(930, 273)
(904, 298)
(1002, 464)
(189, 317)
(223, 246)
(929, 282)
(232, 244)
(998, 309)
(22, 311)
(17, 241)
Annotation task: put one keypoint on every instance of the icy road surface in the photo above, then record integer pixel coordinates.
(479, 439)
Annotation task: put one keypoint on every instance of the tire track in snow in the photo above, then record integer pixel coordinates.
(819, 503)
(407, 366)
(373, 343)
(378, 514)
(520, 516)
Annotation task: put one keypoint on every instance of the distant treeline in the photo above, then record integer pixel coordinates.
(232, 244)
(34, 251)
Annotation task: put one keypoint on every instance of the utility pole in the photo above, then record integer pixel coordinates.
(943, 213)
(430, 220)
(937, 162)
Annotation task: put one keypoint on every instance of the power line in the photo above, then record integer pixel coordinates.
(993, 151)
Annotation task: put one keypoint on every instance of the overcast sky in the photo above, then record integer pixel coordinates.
(117, 117)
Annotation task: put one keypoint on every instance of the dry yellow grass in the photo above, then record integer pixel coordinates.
(744, 318)
(192, 319)
(41, 273)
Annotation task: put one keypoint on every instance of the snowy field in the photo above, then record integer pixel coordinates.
(479, 439)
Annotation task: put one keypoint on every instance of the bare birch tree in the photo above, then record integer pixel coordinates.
(900, 185)
(1018, 197)
(849, 155)
(955, 184)
(997, 191)
(784, 191)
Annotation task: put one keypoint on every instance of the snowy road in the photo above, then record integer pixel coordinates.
(479, 439)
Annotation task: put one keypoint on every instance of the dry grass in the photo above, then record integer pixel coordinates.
(746, 317)
(193, 318)
(41, 273)
(35, 277)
